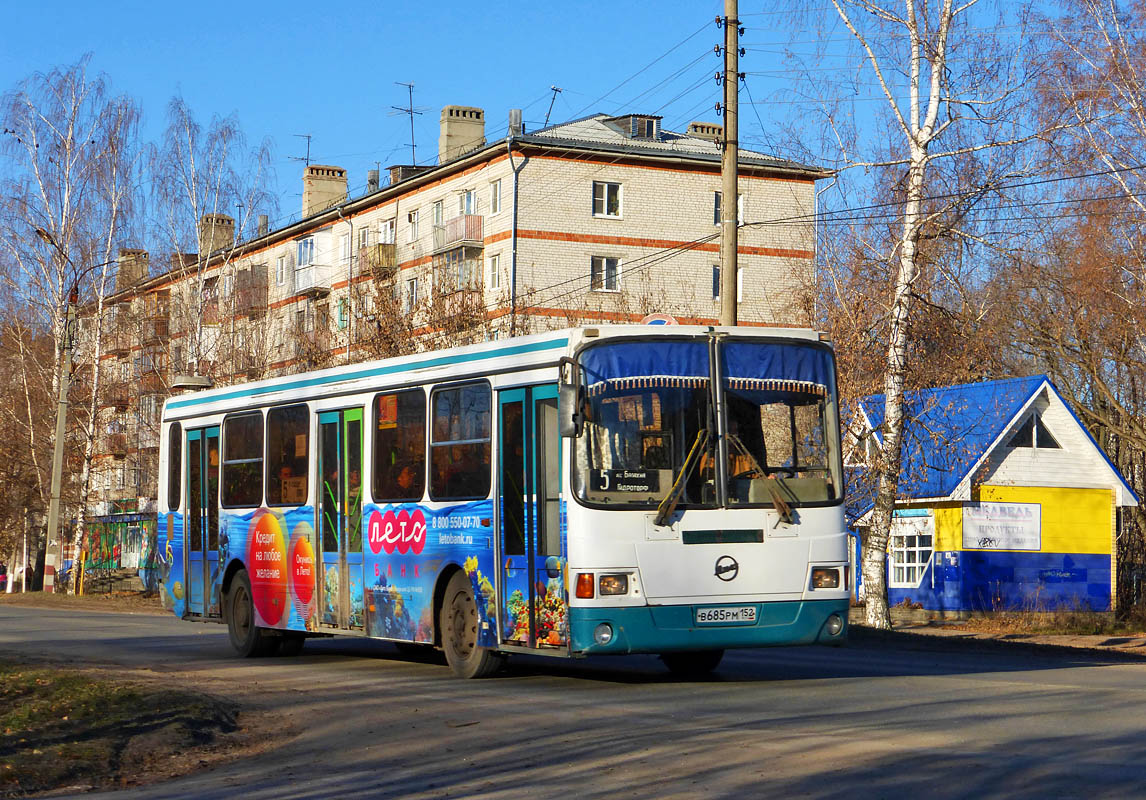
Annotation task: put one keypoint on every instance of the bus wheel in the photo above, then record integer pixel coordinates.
(458, 623)
(692, 663)
(246, 637)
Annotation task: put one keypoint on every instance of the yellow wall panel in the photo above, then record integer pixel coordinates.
(1073, 520)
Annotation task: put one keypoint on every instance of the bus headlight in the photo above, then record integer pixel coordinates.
(614, 584)
(603, 633)
(826, 578)
(835, 625)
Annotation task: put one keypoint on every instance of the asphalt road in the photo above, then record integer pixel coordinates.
(906, 718)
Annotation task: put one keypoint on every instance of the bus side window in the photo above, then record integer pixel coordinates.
(174, 465)
(400, 446)
(460, 445)
(243, 460)
(288, 429)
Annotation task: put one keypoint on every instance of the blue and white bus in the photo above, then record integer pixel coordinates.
(674, 490)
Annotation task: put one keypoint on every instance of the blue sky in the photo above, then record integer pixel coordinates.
(330, 70)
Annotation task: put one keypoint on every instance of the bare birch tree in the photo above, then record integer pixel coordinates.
(950, 132)
(70, 179)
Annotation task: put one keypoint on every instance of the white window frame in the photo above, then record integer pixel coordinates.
(412, 222)
(495, 197)
(599, 265)
(739, 283)
(607, 187)
(911, 538)
(363, 237)
(439, 214)
(305, 249)
(410, 296)
(344, 247)
(467, 202)
(280, 270)
(495, 271)
(386, 232)
(716, 200)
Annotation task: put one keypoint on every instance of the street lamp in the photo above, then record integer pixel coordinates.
(62, 399)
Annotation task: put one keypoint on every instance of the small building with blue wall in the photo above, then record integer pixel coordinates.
(1006, 502)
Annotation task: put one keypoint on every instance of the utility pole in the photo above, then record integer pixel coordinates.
(730, 193)
(61, 425)
(556, 90)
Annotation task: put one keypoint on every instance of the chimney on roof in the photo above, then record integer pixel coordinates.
(133, 266)
(515, 126)
(216, 231)
(706, 130)
(462, 130)
(400, 172)
(371, 180)
(264, 225)
(322, 187)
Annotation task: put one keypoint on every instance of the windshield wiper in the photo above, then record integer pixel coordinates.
(672, 497)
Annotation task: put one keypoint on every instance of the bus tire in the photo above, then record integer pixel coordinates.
(692, 663)
(247, 638)
(458, 623)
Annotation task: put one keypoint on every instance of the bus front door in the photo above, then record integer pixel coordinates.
(201, 528)
(340, 517)
(533, 585)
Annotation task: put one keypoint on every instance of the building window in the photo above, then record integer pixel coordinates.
(1034, 433)
(467, 202)
(344, 248)
(716, 283)
(411, 296)
(605, 274)
(606, 199)
(439, 214)
(495, 197)
(412, 221)
(363, 237)
(280, 270)
(386, 232)
(495, 272)
(911, 544)
(716, 209)
(305, 252)
(343, 314)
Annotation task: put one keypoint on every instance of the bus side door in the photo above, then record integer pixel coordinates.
(531, 561)
(340, 518)
(201, 530)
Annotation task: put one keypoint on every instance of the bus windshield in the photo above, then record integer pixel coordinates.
(649, 406)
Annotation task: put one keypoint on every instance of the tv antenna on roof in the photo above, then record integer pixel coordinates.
(411, 110)
(556, 91)
(306, 160)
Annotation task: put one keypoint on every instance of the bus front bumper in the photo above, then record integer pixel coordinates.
(662, 629)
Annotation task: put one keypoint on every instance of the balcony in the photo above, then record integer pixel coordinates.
(151, 381)
(379, 261)
(211, 312)
(251, 287)
(117, 395)
(313, 280)
(117, 445)
(462, 230)
(155, 329)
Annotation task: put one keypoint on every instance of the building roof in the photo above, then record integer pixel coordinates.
(595, 131)
(951, 430)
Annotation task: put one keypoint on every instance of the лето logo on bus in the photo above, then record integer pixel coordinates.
(404, 532)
